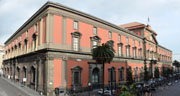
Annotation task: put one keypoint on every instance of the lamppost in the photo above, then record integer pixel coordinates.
(89, 85)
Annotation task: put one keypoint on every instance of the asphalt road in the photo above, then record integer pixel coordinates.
(6, 89)
(173, 90)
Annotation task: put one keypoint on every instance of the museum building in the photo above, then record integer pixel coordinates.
(53, 49)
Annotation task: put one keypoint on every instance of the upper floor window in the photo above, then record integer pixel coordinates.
(75, 25)
(139, 43)
(95, 30)
(134, 52)
(120, 53)
(119, 37)
(34, 36)
(110, 35)
(76, 41)
(127, 40)
(26, 45)
(128, 51)
(140, 52)
(36, 27)
(95, 41)
(133, 42)
(19, 48)
(27, 33)
(151, 38)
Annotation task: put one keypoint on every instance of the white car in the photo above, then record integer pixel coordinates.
(106, 92)
(176, 81)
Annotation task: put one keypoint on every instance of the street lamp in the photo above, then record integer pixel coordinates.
(89, 85)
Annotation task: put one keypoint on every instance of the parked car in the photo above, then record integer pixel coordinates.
(176, 81)
(106, 92)
(169, 84)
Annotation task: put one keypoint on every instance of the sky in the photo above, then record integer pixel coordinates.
(164, 16)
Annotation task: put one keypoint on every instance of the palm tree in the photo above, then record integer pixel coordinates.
(103, 54)
(176, 64)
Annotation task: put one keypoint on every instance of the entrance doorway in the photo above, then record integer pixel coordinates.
(95, 78)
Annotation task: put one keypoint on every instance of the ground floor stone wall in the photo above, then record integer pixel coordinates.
(45, 71)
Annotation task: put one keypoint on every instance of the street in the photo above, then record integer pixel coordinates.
(173, 90)
(7, 89)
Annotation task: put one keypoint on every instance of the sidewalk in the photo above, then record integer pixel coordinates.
(25, 89)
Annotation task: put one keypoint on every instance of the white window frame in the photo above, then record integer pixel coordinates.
(119, 37)
(110, 35)
(75, 25)
(95, 30)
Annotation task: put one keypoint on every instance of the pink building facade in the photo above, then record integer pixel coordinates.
(53, 49)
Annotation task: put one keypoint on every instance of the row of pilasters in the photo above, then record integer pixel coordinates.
(14, 71)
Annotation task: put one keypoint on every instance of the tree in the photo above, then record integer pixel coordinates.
(133, 89)
(125, 91)
(129, 76)
(103, 54)
(164, 72)
(176, 64)
(146, 73)
(156, 72)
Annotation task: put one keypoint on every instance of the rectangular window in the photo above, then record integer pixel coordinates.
(133, 42)
(127, 51)
(94, 44)
(119, 37)
(110, 35)
(112, 75)
(75, 44)
(139, 43)
(35, 27)
(76, 78)
(121, 77)
(94, 30)
(139, 52)
(27, 33)
(75, 25)
(127, 40)
(134, 52)
(120, 50)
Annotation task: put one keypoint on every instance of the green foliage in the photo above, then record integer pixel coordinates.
(125, 91)
(156, 72)
(133, 89)
(104, 53)
(146, 74)
(164, 72)
(176, 64)
(129, 76)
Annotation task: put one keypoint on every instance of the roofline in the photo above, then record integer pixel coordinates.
(57, 5)
(164, 48)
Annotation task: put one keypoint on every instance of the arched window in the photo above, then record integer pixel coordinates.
(26, 45)
(33, 74)
(95, 75)
(112, 74)
(34, 43)
(121, 74)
